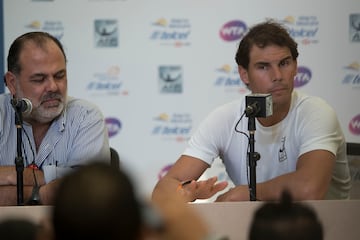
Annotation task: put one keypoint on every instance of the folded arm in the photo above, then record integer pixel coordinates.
(8, 186)
(310, 181)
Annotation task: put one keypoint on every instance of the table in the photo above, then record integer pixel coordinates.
(340, 218)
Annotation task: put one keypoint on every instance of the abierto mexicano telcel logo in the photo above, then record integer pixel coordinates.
(354, 125)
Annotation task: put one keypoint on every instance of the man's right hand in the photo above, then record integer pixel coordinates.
(203, 189)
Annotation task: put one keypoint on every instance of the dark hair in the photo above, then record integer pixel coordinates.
(18, 229)
(285, 221)
(263, 35)
(39, 38)
(97, 201)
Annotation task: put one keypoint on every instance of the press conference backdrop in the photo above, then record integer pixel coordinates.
(156, 68)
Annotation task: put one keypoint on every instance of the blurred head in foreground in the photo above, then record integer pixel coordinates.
(96, 202)
(285, 220)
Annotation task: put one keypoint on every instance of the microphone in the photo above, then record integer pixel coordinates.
(252, 109)
(35, 196)
(23, 105)
(258, 105)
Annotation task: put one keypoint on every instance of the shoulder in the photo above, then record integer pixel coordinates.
(5, 99)
(221, 119)
(82, 109)
(81, 105)
(314, 114)
(5, 105)
(230, 108)
(307, 104)
(3, 111)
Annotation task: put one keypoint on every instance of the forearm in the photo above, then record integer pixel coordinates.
(180, 221)
(9, 196)
(310, 181)
(48, 192)
(30, 175)
(8, 176)
(164, 188)
(301, 188)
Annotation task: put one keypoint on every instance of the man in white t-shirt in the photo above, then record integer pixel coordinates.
(301, 144)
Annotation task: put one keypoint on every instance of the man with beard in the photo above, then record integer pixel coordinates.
(59, 134)
(301, 144)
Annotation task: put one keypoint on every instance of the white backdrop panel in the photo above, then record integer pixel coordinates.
(124, 79)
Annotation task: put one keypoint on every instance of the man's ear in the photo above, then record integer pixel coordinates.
(10, 80)
(243, 75)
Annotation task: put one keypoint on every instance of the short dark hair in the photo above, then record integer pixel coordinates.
(18, 228)
(285, 220)
(263, 35)
(96, 201)
(39, 38)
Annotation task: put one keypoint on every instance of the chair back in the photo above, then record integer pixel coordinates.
(114, 158)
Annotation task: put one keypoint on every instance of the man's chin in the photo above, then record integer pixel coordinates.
(47, 115)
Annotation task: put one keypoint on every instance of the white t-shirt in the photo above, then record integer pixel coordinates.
(310, 124)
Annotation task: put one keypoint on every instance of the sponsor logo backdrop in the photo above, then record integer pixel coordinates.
(156, 68)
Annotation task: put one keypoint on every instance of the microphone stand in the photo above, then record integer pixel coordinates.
(19, 161)
(252, 157)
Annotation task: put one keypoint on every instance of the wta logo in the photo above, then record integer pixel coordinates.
(302, 77)
(164, 171)
(354, 125)
(233, 30)
(113, 125)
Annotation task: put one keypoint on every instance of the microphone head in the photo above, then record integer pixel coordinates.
(259, 105)
(28, 107)
(23, 105)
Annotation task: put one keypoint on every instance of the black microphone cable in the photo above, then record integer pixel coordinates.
(35, 195)
(248, 146)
